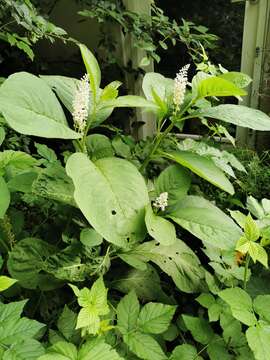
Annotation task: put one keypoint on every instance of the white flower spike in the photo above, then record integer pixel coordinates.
(161, 201)
(180, 85)
(81, 104)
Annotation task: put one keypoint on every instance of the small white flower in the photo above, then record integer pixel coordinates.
(81, 104)
(161, 201)
(180, 84)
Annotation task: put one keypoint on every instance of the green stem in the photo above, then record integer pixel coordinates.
(246, 271)
(161, 136)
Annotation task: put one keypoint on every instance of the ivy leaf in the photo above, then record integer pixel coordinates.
(144, 346)
(240, 303)
(162, 230)
(155, 318)
(127, 313)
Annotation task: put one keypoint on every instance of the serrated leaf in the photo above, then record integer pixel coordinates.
(144, 346)
(66, 323)
(185, 352)
(28, 349)
(162, 230)
(240, 303)
(252, 231)
(155, 318)
(127, 313)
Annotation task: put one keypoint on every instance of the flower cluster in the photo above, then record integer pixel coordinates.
(81, 104)
(161, 201)
(180, 84)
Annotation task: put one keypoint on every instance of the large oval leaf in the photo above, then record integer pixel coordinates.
(206, 222)
(65, 88)
(30, 107)
(177, 260)
(215, 86)
(202, 166)
(238, 115)
(112, 195)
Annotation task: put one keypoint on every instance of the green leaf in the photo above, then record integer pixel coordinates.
(5, 197)
(93, 70)
(240, 303)
(146, 284)
(203, 167)
(30, 107)
(216, 86)
(205, 221)
(112, 195)
(258, 338)
(262, 306)
(66, 323)
(129, 101)
(45, 152)
(134, 261)
(162, 230)
(178, 261)
(219, 349)
(144, 346)
(127, 313)
(155, 318)
(16, 162)
(252, 231)
(61, 351)
(2, 135)
(93, 303)
(14, 329)
(238, 115)
(256, 251)
(27, 260)
(97, 349)
(185, 352)
(99, 146)
(53, 183)
(255, 208)
(206, 300)
(6, 282)
(199, 328)
(176, 181)
(28, 349)
(239, 79)
(110, 91)
(89, 237)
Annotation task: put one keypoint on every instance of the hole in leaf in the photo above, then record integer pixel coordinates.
(113, 212)
(177, 253)
(170, 258)
(128, 239)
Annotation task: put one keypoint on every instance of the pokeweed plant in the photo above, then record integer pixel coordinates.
(107, 218)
